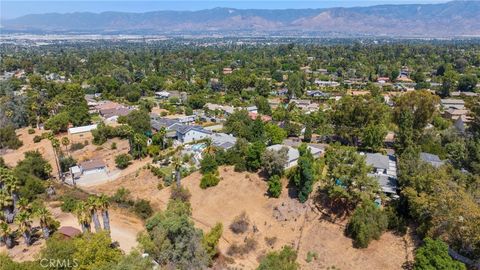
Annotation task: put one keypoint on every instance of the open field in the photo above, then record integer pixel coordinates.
(290, 222)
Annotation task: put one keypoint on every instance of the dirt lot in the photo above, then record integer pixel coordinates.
(283, 219)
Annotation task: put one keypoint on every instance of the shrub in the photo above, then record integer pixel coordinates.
(180, 193)
(122, 161)
(396, 222)
(210, 240)
(66, 163)
(143, 209)
(68, 203)
(37, 139)
(240, 223)
(283, 259)
(248, 245)
(271, 240)
(209, 180)
(76, 146)
(367, 223)
(31, 131)
(274, 186)
(121, 197)
(113, 146)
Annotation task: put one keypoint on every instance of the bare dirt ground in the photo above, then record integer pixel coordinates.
(124, 230)
(12, 157)
(283, 220)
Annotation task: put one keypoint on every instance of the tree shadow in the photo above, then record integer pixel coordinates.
(329, 210)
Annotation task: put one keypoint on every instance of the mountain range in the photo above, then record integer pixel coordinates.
(456, 18)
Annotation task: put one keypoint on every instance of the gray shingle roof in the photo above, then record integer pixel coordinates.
(434, 160)
(378, 161)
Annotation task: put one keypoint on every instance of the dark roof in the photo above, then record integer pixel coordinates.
(434, 160)
(183, 129)
(158, 123)
(69, 231)
(387, 183)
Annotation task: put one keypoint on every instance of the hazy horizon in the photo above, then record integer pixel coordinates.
(17, 8)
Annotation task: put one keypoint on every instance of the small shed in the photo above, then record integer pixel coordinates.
(69, 231)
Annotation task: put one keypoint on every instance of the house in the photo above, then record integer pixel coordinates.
(113, 114)
(454, 114)
(227, 110)
(384, 171)
(264, 118)
(327, 83)
(188, 134)
(162, 95)
(227, 70)
(293, 154)
(432, 159)
(452, 103)
(383, 80)
(317, 93)
(187, 119)
(92, 166)
(82, 129)
(158, 123)
(223, 140)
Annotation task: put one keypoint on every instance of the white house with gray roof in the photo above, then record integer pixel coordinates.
(293, 154)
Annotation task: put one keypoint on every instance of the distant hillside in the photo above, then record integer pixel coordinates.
(457, 18)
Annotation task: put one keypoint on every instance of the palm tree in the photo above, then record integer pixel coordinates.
(6, 203)
(23, 205)
(210, 148)
(83, 216)
(6, 235)
(177, 164)
(65, 142)
(93, 205)
(104, 203)
(162, 133)
(45, 218)
(24, 221)
(56, 146)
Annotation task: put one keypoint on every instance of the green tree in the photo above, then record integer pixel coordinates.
(209, 180)
(285, 259)
(211, 239)
(275, 186)
(254, 155)
(273, 162)
(171, 238)
(433, 255)
(274, 134)
(95, 251)
(139, 120)
(367, 223)
(122, 161)
(8, 138)
(262, 87)
(467, 83)
(304, 175)
(373, 136)
(295, 85)
(208, 164)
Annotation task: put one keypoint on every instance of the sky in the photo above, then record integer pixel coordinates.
(16, 8)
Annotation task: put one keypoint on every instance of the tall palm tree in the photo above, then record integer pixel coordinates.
(177, 165)
(104, 203)
(65, 142)
(6, 235)
(83, 216)
(45, 218)
(93, 206)
(6, 203)
(56, 146)
(24, 221)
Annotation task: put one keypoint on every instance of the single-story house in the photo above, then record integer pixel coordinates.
(162, 95)
(317, 93)
(452, 103)
(327, 83)
(92, 166)
(223, 140)
(293, 154)
(384, 170)
(432, 159)
(82, 129)
(454, 114)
